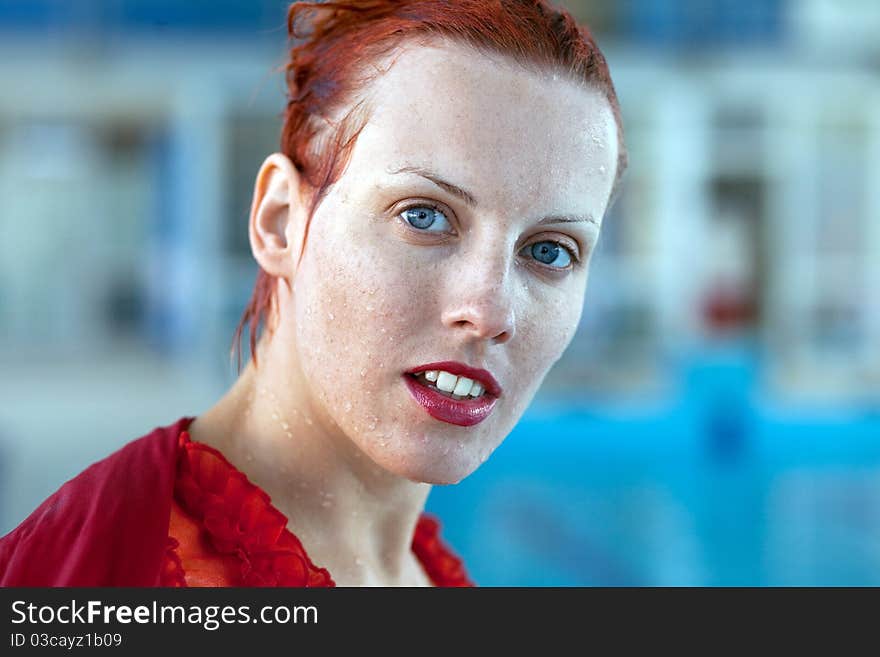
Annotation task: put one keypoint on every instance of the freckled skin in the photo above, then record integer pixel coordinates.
(504, 129)
(327, 410)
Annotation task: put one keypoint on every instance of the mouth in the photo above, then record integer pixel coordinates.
(468, 391)
(457, 379)
(446, 392)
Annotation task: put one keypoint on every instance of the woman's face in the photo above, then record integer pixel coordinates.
(460, 231)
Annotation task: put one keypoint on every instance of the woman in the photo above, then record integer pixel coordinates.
(423, 241)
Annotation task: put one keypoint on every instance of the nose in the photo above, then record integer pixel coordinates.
(481, 306)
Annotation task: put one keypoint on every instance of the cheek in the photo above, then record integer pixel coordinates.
(569, 311)
(544, 334)
(355, 310)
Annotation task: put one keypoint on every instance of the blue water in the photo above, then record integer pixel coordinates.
(715, 486)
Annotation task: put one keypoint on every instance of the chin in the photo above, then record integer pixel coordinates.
(432, 469)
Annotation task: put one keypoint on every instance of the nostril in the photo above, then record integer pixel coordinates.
(502, 337)
(482, 321)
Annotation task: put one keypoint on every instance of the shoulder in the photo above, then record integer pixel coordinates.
(105, 527)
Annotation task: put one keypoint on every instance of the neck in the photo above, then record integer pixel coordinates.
(353, 517)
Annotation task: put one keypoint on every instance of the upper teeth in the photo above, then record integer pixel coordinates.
(457, 385)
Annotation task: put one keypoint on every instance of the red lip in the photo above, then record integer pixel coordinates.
(460, 369)
(464, 413)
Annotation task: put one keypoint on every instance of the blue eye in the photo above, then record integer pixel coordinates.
(424, 217)
(549, 253)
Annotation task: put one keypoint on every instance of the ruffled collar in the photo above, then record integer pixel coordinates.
(240, 520)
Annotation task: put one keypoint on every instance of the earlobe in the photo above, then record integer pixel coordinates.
(276, 216)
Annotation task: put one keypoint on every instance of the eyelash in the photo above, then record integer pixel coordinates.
(575, 260)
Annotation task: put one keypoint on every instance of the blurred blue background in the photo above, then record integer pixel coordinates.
(715, 421)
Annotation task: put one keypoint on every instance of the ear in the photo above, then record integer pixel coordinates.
(278, 216)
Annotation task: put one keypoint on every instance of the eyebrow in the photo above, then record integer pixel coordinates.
(455, 190)
(569, 219)
(471, 200)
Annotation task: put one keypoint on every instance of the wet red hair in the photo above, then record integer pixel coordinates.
(334, 44)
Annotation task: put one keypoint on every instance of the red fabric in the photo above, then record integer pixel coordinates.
(166, 511)
(224, 531)
(107, 526)
(218, 514)
(442, 566)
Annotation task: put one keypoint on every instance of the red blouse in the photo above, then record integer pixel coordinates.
(224, 531)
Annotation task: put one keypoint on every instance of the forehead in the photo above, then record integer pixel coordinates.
(492, 124)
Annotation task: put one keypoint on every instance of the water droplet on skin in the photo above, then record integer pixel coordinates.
(602, 169)
(347, 405)
(331, 316)
(289, 434)
(285, 426)
(274, 416)
(369, 308)
(309, 421)
(363, 373)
